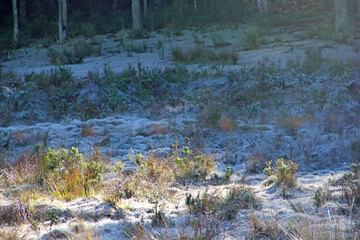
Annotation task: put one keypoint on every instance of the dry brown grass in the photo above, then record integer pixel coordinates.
(26, 168)
(87, 131)
(226, 124)
(11, 233)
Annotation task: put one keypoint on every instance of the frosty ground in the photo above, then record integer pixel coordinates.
(290, 98)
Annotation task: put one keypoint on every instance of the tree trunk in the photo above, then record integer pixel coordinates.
(61, 35)
(16, 22)
(260, 7)
(136, 14)
(114, 5)
(145, 7)
(342, 17)
(195, 4)
(264, 6)
(64, 18)
(23, 11)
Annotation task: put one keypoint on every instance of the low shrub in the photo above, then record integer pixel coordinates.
(76, 55)
(190, 167)
(321, 196)
(68, 175)
(313, 60)
(58, 77)
(283, 173)
(201, 54)
(252, 39)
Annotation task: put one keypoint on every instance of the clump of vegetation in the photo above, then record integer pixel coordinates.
(136, 48)
(58, 78)
(68, 175)
(216, 207)
(283, 173)
(152, 177)
(255, 163)
(76, 55)
(64, 174)
(321, 196)
(313, 60)
(252, 38)
(201, 54)
(190, 167)
(351, 188)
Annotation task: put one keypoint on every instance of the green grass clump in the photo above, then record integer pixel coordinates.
(252, 39)
(68, 175)
(190, 167)
(65, 174)
(201, 54)
(58, 77)
(76, 55)
(313, 60)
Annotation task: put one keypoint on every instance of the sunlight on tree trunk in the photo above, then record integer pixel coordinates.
(16, 22)
(195, 4)
(136, 14)
(342, 17)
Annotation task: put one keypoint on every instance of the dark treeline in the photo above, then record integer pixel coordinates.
(39, 18)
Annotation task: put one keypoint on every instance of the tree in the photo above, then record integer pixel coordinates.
(22, 9)
(16, 22)
(61, 35)
(341, 16)
(264, 6)
(136, 14)
(195, 4)
(145, 6)
(62, 20)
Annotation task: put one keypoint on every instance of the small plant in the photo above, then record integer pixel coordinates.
(200, 54)
(283, 174)
(217, 39)
(351, 188)
(53, 217)
(68, 175)
(252, 38)
(76, 55)
(321, 196)
(313, 60)
(255, 163)
(191, 167)
(228, 173)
